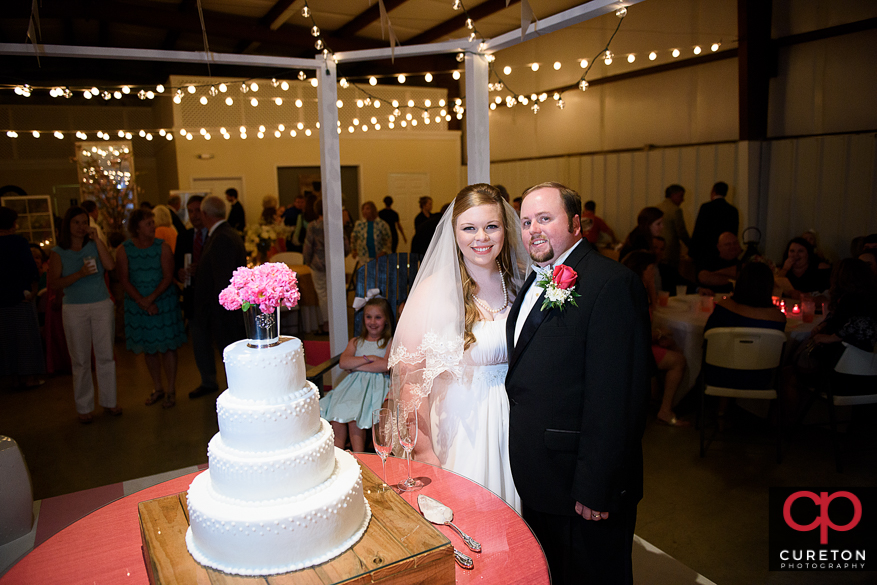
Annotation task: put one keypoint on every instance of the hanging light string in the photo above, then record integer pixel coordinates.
(320, 44)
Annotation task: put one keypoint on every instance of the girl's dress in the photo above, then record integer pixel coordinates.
(470, 417)
(359, 394)
(145, 333)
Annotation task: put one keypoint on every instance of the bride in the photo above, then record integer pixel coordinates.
(449, 357)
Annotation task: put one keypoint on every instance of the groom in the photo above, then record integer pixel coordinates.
(578, 387)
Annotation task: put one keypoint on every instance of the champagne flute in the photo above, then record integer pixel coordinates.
(406, 421)
(382, 432)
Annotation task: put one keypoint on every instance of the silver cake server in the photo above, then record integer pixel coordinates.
(438, 513)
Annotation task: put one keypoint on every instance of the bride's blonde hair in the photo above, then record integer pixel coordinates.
(474, 196)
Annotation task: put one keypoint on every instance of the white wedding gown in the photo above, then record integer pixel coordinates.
(469, 418)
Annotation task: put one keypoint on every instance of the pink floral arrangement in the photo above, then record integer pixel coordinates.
(267, 286)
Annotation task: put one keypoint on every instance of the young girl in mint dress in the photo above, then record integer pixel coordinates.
(349, 407)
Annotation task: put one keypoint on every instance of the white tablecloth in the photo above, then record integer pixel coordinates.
(684, 321)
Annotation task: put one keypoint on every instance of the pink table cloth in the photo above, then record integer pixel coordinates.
(104, 546)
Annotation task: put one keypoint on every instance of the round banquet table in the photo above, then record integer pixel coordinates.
(683, 319)
(104, 546)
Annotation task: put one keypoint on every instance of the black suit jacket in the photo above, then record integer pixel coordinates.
(185, 244)
(236, 218)
(178, 223)
(222, 254)
(714, 218)
(578, 386)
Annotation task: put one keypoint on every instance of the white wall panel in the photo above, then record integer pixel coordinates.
(824, 183)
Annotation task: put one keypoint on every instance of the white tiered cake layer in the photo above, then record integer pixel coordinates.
(269, 374)
(254, 477)
(285, 536)
(249, 425)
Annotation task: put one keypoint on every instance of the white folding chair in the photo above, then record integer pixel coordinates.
(853, 382)
(288, 258)
(742, 348)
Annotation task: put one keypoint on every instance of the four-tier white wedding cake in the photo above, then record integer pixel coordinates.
(278, 495)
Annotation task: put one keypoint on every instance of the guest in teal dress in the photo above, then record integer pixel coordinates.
(349, 407)
(153, 322)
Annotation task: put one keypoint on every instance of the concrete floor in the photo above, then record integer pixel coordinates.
(710, 514)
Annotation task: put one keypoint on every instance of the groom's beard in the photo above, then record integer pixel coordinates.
(543, 257)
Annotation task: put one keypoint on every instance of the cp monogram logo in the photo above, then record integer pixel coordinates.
(822, 521)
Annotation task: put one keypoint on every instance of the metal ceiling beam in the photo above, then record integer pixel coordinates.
(561, 20)
(454, 24)
(453, 46)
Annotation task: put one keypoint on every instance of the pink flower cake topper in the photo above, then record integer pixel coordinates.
(266, 286)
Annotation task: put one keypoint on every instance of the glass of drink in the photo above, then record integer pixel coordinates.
(406, 421)
(382, 433)
(808, 310)
(663, 298)
(91, 262)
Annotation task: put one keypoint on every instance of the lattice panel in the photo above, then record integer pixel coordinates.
(192, 115)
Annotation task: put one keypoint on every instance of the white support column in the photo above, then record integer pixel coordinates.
(477, 119)
(330, 174)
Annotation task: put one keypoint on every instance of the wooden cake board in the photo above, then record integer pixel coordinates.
(399, 547)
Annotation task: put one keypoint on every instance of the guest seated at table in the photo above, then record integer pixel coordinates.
(717, 273)
(852, 318)
(751, 305)
(649, 223)
(869, 257)
(812, 237)
(802, 270)
(669, 359)
(667, 278)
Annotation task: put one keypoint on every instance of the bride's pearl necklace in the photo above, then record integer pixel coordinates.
(505, 294)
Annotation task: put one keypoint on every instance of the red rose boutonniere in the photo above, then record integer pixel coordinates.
(559, 288)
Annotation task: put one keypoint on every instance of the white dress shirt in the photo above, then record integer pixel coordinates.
(532, 295)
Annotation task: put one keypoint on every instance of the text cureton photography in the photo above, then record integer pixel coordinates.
(822, 528)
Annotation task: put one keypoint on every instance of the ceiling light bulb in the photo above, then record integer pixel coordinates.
(339, 104)
(535, 66)
(401, 78)
(159, 88)
(652, 56)
(298, 103)
(470, 24)
(284, 85)
(315, 31)
(117, 95)
(229, 101)
(126, 89)
(715, 47)
(507, 70)
(343, 82)
(223, 88)
(557, 65)
(675, 52)
(191, 89)
(302, 76)
(456, 75)
(621, 12)
(372, 81)
(428, 77)
(203, 100)
(94, 91)
(314, 82)
(278, 101)
(254, 86)
(631, 58)
(305, 11)
(697, 50)
(254, 102)
(410, 103)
